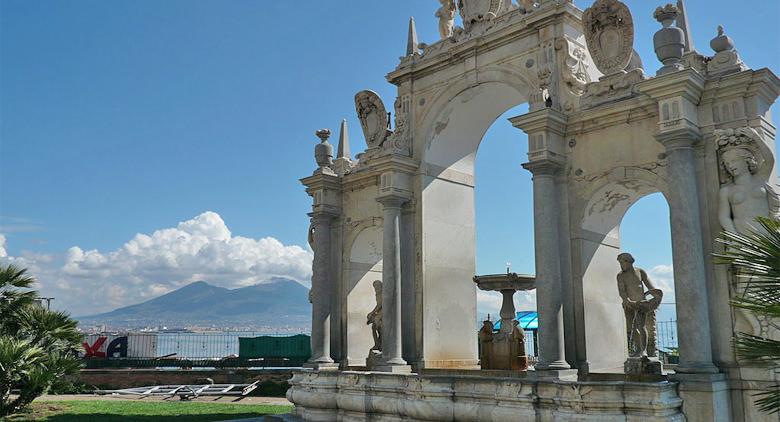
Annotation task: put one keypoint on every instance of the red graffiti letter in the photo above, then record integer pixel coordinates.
(92, 351)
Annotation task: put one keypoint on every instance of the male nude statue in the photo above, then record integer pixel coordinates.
(636, 304)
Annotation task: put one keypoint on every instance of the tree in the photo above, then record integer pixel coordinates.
(755, 258)
(37, 345)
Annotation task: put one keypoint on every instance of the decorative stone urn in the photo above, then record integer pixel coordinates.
(722, 42)
(323, 152)
(669, 41)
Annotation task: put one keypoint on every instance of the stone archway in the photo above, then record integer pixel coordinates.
(364, 266)
(599, 318)
(453, 128)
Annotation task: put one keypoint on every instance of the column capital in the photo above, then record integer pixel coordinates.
(324, 216)
(683, 138)
(544, 167)
(392, 201)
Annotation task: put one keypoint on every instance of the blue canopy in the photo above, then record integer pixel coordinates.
(529, 320)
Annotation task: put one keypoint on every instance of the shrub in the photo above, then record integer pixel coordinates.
(37, 346)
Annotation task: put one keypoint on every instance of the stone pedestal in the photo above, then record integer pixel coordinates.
(643, 366)
(705, 397)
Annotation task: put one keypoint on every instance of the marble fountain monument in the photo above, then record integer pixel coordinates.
(394, 333)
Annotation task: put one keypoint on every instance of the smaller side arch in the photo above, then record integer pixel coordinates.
(363, 265)
(599, 317)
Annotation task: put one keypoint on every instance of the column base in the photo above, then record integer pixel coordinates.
(697, 368)
(558, 365)
(394, 369)
(705, 396)
(554, 374)
(322, 366)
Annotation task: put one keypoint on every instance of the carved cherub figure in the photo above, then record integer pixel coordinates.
(486, 343)
(446, 15)
(636, 303)
(374, 318)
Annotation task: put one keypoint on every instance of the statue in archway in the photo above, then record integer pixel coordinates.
(374, 318)
(639, 305)
(744, 194)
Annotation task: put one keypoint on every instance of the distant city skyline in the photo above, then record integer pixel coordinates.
(140, 141)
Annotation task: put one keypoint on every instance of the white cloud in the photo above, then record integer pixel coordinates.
(203, 248)
(662, 277)
(490, 302)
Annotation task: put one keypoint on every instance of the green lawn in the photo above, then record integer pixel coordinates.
(147, 411)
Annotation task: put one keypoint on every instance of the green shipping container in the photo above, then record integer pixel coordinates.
(296, 348)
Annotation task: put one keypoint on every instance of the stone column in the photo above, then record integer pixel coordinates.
(392, 345)
(320, 293)
(693, 323)
(549, 294)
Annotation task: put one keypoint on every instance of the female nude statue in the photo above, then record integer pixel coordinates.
(745, 196)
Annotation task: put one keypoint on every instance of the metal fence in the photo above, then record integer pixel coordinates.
(172, 349)
(666, 336)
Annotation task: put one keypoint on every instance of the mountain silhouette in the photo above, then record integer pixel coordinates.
(278, 303)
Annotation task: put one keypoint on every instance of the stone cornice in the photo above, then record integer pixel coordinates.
(393, 162)
(688, 84)
(321, 181)
(621, 112)
(520, 26)
(761, 82)
(544, 120)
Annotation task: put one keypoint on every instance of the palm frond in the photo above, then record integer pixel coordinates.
(757, 349)
(755, 259)
(769, 401)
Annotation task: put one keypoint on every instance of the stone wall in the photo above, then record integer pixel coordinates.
(354, 396)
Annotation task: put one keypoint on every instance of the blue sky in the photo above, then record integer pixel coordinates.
(127, 117)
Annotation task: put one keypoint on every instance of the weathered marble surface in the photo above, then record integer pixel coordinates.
(596, 145)
(362, 396)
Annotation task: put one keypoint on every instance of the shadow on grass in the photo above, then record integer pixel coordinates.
(107, 417)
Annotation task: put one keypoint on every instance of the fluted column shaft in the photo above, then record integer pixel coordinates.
(392, 353)
(693, 323)
(549, 294)
(321, 288)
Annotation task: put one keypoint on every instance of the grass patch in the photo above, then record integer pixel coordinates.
(117, 410)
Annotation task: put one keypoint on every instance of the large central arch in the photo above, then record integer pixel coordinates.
(454, 128)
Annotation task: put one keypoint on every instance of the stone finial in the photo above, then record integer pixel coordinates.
(669, 41)
(343, 151)
(411, 41)
(722, 42)
(323, 152)
(726, 59)
(682, 23)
